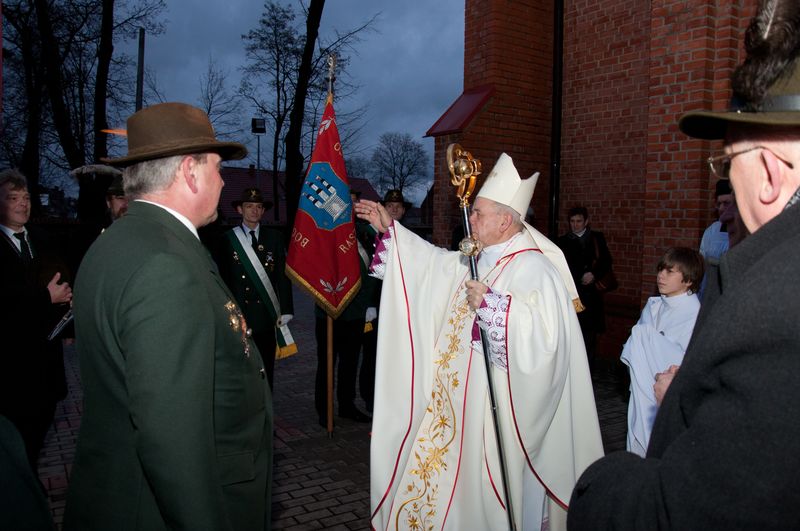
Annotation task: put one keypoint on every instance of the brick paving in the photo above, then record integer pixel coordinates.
(320, 482)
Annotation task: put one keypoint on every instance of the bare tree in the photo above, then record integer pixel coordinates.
(291, 66)
(294, 159)
(223, 108)
(399, 162)
(71, 83)
(273, 54)
(358, 167)
(152, 92)
(24, 92)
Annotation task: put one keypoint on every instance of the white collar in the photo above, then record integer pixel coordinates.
(677, 300)
(490, 255)
(11, 232)
(247, 229)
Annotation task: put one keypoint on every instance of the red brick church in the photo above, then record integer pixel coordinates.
(631, 68)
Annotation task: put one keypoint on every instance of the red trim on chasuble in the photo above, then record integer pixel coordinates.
(411, 391)
(461, 440)
(516, 427)
(507, 258)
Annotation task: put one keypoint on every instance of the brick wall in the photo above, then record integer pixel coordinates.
(695, 46)
(507, 44)
(631, 69)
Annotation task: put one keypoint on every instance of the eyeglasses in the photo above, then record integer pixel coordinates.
(721, 164)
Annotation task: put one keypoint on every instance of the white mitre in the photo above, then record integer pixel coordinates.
(504, 185)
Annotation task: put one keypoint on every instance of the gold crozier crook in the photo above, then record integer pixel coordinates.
(463, 170)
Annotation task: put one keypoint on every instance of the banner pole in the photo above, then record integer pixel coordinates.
(329, 375)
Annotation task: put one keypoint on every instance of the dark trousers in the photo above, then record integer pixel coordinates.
(366, 375)
(589, 335)
(266, 343)
(347, 338)
(33, 426)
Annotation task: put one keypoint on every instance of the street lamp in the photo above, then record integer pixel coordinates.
(258, 126)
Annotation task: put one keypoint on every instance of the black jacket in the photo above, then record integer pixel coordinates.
(31, 367)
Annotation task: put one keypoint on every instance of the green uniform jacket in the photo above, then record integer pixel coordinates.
(176, 431)
(273, 256)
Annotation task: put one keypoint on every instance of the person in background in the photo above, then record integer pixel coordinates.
(587, 254)
(737, 232)
(34, 295)
(348, 338)
(252, 261)
(116, 201)
(725, 447)
(714, 242)
(23, 500)
(660, 337)
(397, 206)
(176, 431)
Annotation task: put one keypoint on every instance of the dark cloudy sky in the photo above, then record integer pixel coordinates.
(410, 68)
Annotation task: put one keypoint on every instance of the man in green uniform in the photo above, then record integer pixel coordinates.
(253, 264)
(176, 431)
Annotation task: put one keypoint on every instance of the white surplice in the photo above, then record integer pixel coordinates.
(658, 340)
(434, 461)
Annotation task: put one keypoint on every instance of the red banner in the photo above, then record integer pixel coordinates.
(323, 253)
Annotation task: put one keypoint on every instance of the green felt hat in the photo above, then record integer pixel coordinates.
(780, 107)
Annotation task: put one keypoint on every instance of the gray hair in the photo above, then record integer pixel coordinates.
(152, 176)
(15, 177)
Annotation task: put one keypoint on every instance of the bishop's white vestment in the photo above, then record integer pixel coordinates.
(434, 461)
(658, 340)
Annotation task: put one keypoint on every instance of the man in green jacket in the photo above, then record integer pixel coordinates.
(176, 431)
(252, 261)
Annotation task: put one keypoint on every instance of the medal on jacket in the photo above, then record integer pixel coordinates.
(269, 261)
(238, 324)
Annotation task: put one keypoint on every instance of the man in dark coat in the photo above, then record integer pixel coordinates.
(34, 293)
(258, 280)
(589, 260)
(725, 448)
(348, 338)
(176, 431)
(397, 206)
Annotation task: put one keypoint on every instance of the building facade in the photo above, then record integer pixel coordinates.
(631, 68)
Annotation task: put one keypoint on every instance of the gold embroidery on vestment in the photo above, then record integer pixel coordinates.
(438, 432)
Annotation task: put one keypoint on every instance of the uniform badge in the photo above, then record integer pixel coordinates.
(269, 262)
(238, 324)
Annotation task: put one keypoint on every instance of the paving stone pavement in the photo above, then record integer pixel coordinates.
(320, 482)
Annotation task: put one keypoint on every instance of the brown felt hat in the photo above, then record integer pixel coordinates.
(169, 129)
(779, 108)
(252, 195)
